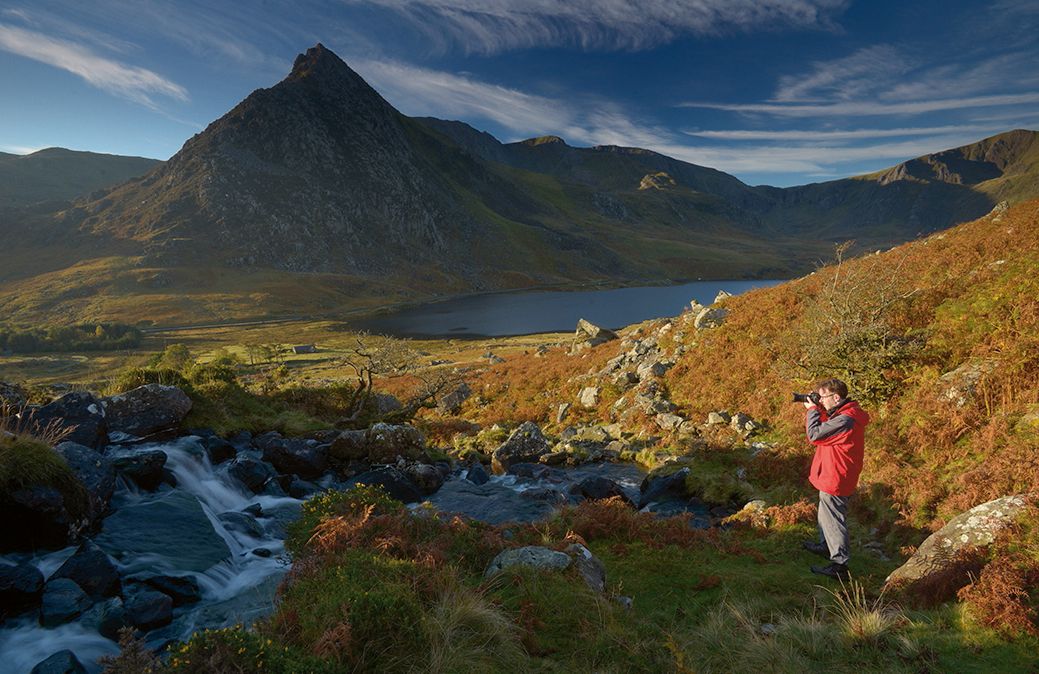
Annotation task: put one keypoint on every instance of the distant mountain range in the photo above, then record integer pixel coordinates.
(316, 195)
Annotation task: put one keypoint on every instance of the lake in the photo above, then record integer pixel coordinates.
(524, 313)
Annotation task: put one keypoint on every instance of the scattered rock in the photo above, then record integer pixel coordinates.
(304, 458)
(12, 396)
(395, 482)
(598, 489)
(242, 523)
(349, 446)
(959, 385)
(526, 444)
(92, 570)
(147, 609)
(476, 473)
(553, 458)
(589, 396)
(95, 471)
(106, 617)
(531, 556)
(976, 527)
(62, 662)
(452, 402)
(710, 318)
(63, 601)
(658, 487)
(561, 412)
(721, 296)
(588, 335)
(589, 566)
(668, 422)
(743, 424)
(427, 478)
(219, 450)
(251, 472)
(718, 418)
(181, 589)
(20, 588)
(143, 467)
(146, 410)
(388, 442)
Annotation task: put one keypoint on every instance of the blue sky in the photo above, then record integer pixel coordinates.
(779, 92)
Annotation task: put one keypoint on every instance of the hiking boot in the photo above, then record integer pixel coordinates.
(833, 570)
(816, 548)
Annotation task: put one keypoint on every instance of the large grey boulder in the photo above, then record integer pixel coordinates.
(185, 540)
(92, 570)
(146, 410)
(305, 458)
(20, 588)
(95, 471)
(62, 662)
(526, 444)
(394, 482)
(63, 601)
(251, 472)
(452, 402)
(589, 334)
(531, 556)
(976, 527)
(142, 467)
(349, 446)
(79, 413)
(959, 385)
(710, 317)
(388, 442)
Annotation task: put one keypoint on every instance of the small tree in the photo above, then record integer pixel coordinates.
(847, 330)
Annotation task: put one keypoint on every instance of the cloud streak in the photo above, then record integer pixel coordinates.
(863, 108)
(852, 134)
(130, 82)
(492, 26)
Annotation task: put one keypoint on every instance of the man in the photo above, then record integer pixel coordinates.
(837, 428)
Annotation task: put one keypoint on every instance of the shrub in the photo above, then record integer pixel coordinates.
(236, 650)
(860, 618)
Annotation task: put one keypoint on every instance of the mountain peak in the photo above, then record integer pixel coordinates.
(544, 140)
(321, 64)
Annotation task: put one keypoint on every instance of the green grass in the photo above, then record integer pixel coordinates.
(25, 462)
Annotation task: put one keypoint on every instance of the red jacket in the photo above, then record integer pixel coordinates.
(839, 437)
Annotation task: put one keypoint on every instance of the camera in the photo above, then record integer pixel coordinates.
(812, 397)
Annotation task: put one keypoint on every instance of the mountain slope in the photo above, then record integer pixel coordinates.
(57, 174)
(327, 198)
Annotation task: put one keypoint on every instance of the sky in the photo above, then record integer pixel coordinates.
(777, 92)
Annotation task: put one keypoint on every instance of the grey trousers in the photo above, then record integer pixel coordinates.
(833, 526)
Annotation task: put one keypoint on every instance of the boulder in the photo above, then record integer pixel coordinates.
(63, 601)
(721, 296)
(20, 588)
(452, 402)
(650, 369)
(143, 468)
(181, 589)
(62, 662)
(186, 540)
(37, 517)
(668, 422)
(958, 386)
(384, 404)
(302, 488)
(219, 449)
(80, 413)
(589, 396)
(742, 423)
(657, 487)
(531, 556)
(304, 458)
(387, 442)
(251, 472)
(710, 318)
(427, 478)
(526, 444)
(395, 482)
(147, 609)
(598, 489)
(95, 471)
(241, 523)
(718, 418)
(146, 410)
(106, 617)
(976, 527)
(588, 566)
(588, 335)
(561, 412)
(476, 473)
(92, 570)
(349, 446)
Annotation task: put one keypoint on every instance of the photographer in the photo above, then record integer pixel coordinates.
(837, 428)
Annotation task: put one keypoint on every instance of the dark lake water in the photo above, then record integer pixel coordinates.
(524, 313)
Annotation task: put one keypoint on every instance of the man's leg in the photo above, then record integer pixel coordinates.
(833, 523)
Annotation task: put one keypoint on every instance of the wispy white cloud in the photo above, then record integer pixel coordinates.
(490, 26)
(844, 78)
(864, 108)
(130, 82)
(838, 135)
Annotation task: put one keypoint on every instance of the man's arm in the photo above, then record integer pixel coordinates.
(816, 430)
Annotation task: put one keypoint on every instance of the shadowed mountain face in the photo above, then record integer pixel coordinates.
(318, 183)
